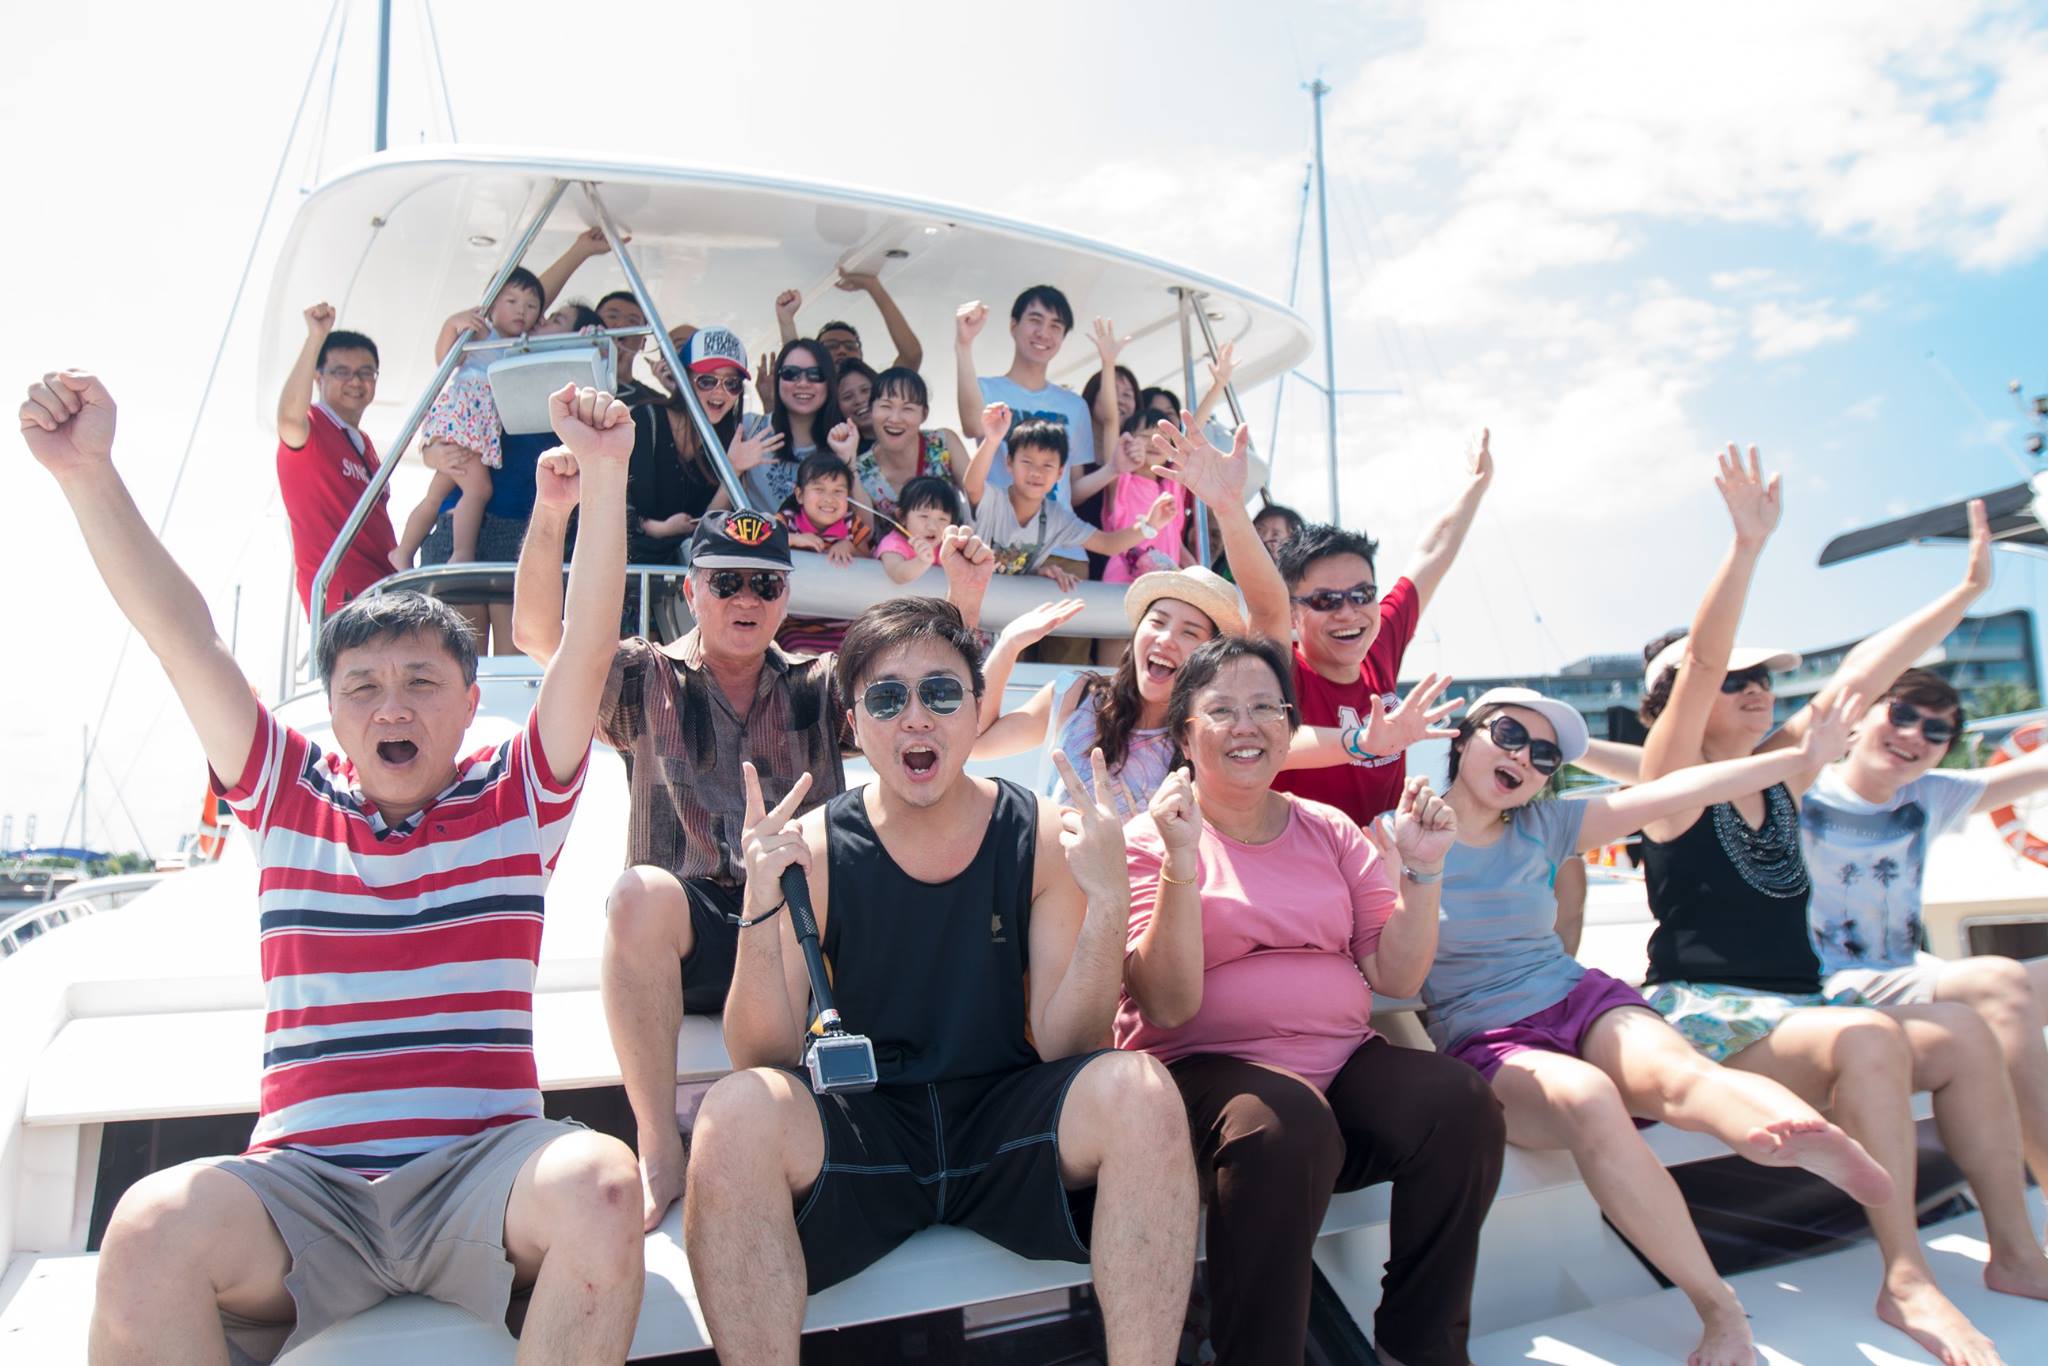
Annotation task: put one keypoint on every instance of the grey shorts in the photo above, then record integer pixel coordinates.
(497, 541)
(434, 1227)
(1911, 985)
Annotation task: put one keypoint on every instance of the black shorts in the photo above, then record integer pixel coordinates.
(715, 944)
(982, 1154)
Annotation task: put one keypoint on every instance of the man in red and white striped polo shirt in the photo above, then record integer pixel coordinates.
(400, 1147)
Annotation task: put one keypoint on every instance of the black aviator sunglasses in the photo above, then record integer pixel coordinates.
(941, 694)
(766, 583)
(1905, 716)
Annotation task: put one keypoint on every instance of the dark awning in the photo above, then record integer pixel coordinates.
(2012, 519)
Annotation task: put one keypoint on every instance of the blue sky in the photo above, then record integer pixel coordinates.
(1617, 234)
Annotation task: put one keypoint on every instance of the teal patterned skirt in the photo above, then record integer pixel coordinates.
(1721, 1021)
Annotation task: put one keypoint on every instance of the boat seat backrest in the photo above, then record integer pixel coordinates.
(522, 381)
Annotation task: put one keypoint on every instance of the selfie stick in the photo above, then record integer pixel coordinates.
(838, 1061)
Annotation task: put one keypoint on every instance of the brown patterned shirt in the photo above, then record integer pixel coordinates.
(683, 744)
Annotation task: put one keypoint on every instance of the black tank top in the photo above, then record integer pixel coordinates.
(933, 973)
(1730, 901)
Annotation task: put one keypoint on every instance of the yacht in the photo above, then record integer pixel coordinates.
(136, 1034)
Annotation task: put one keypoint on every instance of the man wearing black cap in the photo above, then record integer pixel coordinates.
(684, 716)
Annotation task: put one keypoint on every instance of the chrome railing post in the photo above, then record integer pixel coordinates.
(1229, 390)
(713, 447)
(395, 451)
(1187, 369)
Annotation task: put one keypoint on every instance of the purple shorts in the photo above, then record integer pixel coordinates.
(1555, 1029)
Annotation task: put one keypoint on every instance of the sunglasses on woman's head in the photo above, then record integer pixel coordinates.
(732, 384)
(1736, 682)
(941, 694)
(1511, 735)
(809, 374)
(766, 583)
(1905, 716)
(1330, 599)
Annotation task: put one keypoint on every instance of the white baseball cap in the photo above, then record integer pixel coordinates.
(1740, 658)
(1562, 716)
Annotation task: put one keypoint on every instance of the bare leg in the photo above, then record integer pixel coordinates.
(571, 1232)
(468, 518)
(1663, 1077)
(501, 630)
(2009, 996)
(647, 935)
(758, 1148)
(1854, 1064)
(419, 523)
(1124, 1130)
(183, 1244)
(1955, 1057)
(1555, 1101)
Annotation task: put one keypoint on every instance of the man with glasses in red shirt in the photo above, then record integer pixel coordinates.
(685, 716)
(1349, 639)
(325, 461)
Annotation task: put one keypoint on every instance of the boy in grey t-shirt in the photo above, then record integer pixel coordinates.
(1021, 523)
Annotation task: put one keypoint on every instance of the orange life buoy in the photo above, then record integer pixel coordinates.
(2011, 828)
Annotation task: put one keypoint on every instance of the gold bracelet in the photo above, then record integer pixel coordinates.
(1173, 881)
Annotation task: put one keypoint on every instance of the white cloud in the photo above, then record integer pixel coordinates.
(1780, 330)
(1864, 409)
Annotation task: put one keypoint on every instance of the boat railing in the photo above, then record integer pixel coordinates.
(296, 667)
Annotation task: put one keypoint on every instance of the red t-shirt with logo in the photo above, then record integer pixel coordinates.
(1360, 788)
(321, 482)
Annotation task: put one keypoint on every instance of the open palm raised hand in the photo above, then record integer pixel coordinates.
(1754, 502)
(1191, 460)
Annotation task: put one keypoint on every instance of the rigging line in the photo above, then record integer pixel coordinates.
(440, 71)
(1293, 290)
(319, 147)
(133, 825)
(1990, 428)
(213, 369)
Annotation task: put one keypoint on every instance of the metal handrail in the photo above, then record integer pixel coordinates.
(1188, 305)
(714, 449)
(1229, 389)
(316, 609)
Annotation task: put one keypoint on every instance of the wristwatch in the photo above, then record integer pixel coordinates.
(1421, 879)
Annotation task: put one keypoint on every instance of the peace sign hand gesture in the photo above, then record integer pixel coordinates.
(1092, 833)
(769, 843)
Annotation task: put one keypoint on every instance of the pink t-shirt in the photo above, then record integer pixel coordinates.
(1129, 501)
(1285, 926)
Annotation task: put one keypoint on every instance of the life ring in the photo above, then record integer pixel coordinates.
(2011, 828)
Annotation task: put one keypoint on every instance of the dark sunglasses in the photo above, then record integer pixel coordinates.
(766, 583)
(732, 384)
(1330, 599)
(941, 694)
(810, 374)
(1511, 735)
(1735, 683)
(1905, 716)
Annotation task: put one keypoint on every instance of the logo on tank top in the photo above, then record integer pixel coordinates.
(995, 929)
(1347, 717)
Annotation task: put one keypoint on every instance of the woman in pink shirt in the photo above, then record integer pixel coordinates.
(1260, 926)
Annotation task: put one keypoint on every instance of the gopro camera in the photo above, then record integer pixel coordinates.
(841, 1062)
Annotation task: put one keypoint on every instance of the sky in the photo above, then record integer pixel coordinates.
(1618, 235)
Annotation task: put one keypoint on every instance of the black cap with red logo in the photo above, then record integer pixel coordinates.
(739, 540)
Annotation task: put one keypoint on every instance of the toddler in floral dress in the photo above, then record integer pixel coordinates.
(465, 415)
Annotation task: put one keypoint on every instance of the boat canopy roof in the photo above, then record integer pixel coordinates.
(2014, 515)
(400, 241)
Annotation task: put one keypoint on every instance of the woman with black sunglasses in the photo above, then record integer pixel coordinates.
(1574, 1055)
(669, 481)
(1732, 964)
(804, 414)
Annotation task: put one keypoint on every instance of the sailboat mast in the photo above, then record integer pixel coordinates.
(384, 74)
(1317, 89)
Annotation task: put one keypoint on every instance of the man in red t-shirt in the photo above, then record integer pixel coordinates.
(1349, 638)
(324, 462)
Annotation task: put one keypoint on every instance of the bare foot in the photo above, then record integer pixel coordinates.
(1925, 1315)
(662, 1162)
(1819, 1147)
(399, 559)
(1724, 1336)
(2024, 1275)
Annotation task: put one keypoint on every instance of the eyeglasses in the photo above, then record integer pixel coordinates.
(1330, 599)
(766, 583)
(732, 384)
(368, 375)
(941, 694)
(1905, 716)
(1260, 713)
(1511, 735)
(809, 374)
(1736, 682)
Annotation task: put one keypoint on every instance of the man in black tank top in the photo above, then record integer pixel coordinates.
(975, 933)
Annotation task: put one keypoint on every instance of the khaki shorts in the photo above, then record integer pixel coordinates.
(434, 1227)
(1912, 985)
